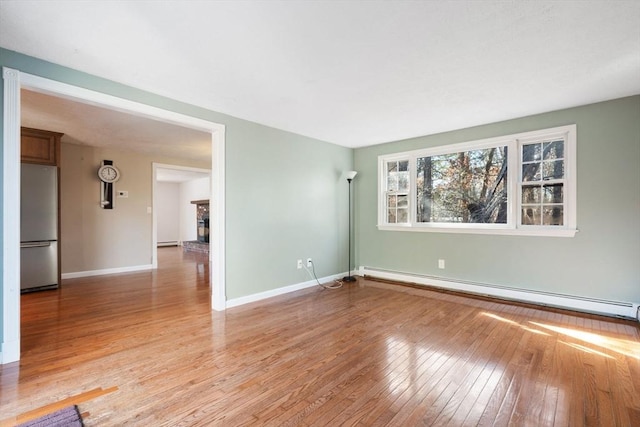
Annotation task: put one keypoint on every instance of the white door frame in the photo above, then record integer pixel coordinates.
(14, 81)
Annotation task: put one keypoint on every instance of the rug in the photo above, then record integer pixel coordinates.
(67, 417)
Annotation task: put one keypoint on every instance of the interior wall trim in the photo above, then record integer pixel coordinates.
(626, 310)
(235, 302)
(104, 271)
(10, 347)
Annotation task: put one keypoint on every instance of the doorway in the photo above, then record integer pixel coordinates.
(186, 184)
(14, 81)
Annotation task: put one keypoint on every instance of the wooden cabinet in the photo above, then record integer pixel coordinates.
(40, 146)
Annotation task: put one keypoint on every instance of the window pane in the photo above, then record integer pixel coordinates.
(391, 216)
(403, 215)
(392, 183)
(398, 176)
(424, 187)
(531, 215)
(465, 187)
(553, 170)
(554, 150)
(552, 215)
(403, 181)
(552, 193)
(531, 172)
(531, 194)
(531, 153)
(391, 201)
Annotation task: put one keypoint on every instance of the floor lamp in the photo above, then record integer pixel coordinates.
(350, 176)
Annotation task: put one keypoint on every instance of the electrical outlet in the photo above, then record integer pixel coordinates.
(441, 264)
(309, 262)
(299, 264)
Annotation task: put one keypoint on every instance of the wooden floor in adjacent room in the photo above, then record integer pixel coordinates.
(145, 349)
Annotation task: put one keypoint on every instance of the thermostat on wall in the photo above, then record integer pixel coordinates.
(123, 194)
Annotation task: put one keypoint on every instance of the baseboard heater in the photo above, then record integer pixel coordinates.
(626, 310)
(168, 243)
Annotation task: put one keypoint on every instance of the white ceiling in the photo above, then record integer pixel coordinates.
(353, 73)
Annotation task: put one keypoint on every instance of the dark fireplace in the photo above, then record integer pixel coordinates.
(202, 214)
(202, 228)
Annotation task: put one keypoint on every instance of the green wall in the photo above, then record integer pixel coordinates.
(285, 201)
(284, 196)
(601, 261)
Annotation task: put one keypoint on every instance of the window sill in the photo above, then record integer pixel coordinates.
(540, 232)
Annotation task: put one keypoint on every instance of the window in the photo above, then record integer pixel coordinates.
(542, 183)
(397, 193)
(518, 184)
(463, 187)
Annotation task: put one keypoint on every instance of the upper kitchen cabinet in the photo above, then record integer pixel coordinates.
(40, 146)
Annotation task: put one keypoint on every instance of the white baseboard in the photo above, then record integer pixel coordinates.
(626, 310)
(280, 291)
(104, 271)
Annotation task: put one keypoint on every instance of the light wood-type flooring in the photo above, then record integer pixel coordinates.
(145, 349)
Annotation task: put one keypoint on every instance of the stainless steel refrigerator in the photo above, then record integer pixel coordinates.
(38, 227)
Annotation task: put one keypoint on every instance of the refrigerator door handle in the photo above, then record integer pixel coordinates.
(35, 245)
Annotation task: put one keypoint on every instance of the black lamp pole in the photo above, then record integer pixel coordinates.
(349, 278)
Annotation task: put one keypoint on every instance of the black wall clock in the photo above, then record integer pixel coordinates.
(108, 174)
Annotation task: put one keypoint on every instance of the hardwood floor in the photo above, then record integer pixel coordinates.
(145, 349)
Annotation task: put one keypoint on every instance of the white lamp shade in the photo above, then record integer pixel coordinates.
(351, 174)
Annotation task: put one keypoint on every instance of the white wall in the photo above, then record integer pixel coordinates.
(168, 211)
(198, 189)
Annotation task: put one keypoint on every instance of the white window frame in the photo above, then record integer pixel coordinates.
(514, 144)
